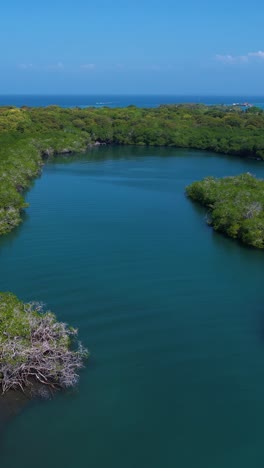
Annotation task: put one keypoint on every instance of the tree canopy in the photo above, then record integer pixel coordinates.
(30, 135)
(236, 206)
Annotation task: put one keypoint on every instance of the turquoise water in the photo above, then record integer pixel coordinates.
(172, 314)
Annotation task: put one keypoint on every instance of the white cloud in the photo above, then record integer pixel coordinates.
(31, 66)
(236, 59)
(154, 67)
(259, 54)
(25, 66)
(231, 59)
(57, 66)
(88, 66)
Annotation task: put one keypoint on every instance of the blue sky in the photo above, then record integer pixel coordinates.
(147, 46)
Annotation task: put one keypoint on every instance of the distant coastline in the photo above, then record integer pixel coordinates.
(140, 100)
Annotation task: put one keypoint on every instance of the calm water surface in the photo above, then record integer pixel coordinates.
(118, 100)
(172, 313)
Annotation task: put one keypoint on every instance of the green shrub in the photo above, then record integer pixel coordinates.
(236, 206)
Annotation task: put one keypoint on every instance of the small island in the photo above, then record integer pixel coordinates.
(35, 348)
(235, 204)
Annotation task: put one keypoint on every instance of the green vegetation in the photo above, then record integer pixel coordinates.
(236, 206)
(29, 135)
(35, 347)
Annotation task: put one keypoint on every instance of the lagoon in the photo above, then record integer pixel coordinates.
(171, 312)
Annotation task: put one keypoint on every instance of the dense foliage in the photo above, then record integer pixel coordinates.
(35, 347)
(29, 135)
(236, 206)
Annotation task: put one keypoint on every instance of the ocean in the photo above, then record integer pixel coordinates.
(109, 100)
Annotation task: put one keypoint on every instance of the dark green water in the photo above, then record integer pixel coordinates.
(172, 313)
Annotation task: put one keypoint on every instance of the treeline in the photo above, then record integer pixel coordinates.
(235, 204)
(221, 128)
(29, 135)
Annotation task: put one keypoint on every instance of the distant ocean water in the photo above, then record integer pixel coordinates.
(101, 100)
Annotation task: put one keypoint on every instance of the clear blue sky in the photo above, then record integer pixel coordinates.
(147, 46)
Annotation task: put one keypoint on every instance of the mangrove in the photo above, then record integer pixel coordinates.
(35, 348)
(28, 136)
(235, 206)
